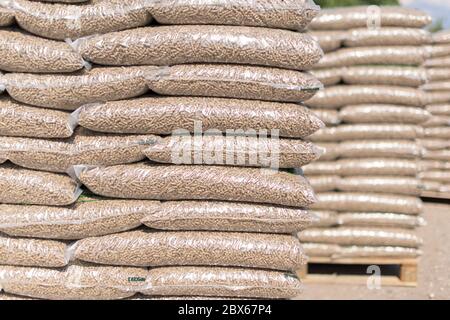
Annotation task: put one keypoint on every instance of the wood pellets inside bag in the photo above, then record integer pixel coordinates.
(381, 113)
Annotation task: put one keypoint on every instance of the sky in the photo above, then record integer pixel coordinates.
(439, 9)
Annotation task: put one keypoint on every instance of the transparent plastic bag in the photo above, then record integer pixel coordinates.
(89, 217)
(20, 52)
(149, 248)
(236, 81)
(389, 36)
(378, 167)
(63, 21)
(328, 77)
(443, 155)
(169, 182)
(358, 16)
(441, 36)
(227, 216)
(379, 113)
(437, 132)
(243, 151)
(164, 115)
(340, 96)
(428, 165)
(321, 168)
(75, 282)
(380, 184)
(332, 151)
(437, 86)
(440, 176)
(393, 55)
(325, 219)
(279, 14)
(329, 117)
(367, 131)
(329, 40)
(438, 74)
(437, 121)
(20, 120)
(435, 144)
(222, 282)
(22, 186)
(323, 183)
(368, 202)
(33, 253)
(68, 92)
(437, 97)
(170, 45)
(440, 62)
(320, 249)
(374, 219)
(348, 236)
(439, 109)
(377, 251)
(381, 148)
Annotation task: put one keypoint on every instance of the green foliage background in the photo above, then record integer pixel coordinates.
(341, 3)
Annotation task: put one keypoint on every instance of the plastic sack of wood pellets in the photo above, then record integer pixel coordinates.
(183, 182)
(164, 115)
(33, 252)
(323, 183)
(321, 168)
(328, 77)
(6, 17)
(438, 51)
(233, 151)
(437, 132)
(63, 21)
(150, 248)
(441, 37)
(75, 282)
(391, 36)
(443, 155)
(278, 14)
(377, 251)
(374, 219)
(329, 117)
(367, 131)
(20, 52)
(379, 113)
(227, 216)
(69, 92)
(439, 109)
(242, 82)
(20, 120)
(332, 151)
(445, 188)
(427, 165)
(437, 121)
(394, 55)
(22, 186)
(89, 217)
(347, 236)
(380, 148)
(340, 96)
(369, 202)
(223, 282)
(433, 186)
(385, 75)
(320, 249)
(438, 74)
(169, 45)
(440, 176)
(437, 86)
(437, 97)
(329, 40)
(85, 147)
(435, 144)
(358, 17)
(440, 62)
(325, 218)
(380, 184)
(377, 167)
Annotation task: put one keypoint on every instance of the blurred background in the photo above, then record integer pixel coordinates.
(439, 9)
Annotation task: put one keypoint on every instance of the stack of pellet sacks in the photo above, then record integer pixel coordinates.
(367, 183)
(435, 171)
(105, 193)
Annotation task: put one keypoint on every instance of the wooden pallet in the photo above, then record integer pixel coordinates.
(407, 276)
(436, 195)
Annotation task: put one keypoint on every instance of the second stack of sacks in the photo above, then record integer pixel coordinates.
(435, 173)
(369, 192)
(114, 110)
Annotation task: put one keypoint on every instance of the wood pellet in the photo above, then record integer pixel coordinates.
(169, 45)
(150, 248)
(89, 217)
(222, 282)
(20, 52)
(181, 182)
(226, 216)
(241, 82)
(163, 115)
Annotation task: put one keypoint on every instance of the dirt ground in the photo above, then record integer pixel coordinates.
(434, 267)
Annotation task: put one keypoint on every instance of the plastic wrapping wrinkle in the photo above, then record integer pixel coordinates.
(223, 282)
(75, 282)
(169, 182)
(380, 113)
(163, 115)
(279, 14)
(89, 217)
(20, 52)
(227, 216)
(236, 81)
(147, 248)
(169, 45)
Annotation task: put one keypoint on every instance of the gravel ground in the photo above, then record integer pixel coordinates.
(434, 267)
